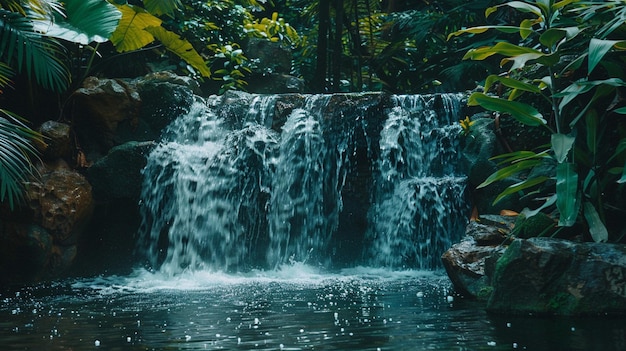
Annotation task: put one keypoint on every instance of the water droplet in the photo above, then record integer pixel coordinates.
(450, 299)
(420, 294)
(491, 343)
(96, 343)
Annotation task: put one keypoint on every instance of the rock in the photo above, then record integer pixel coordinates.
(274, 83)
(118, 174)
(545, 276)
(28, 253)
(269, 57)
(100, 107)
(467, 263)
(58, 139)
(164, 96)
(61, 203)
(25, 252)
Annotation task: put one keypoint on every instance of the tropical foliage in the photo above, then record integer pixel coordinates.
(35, 36)
(564, 73)
(396, 46)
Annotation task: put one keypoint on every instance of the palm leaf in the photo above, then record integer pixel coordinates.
(85, 21)
(16, 154)
(13, 6)
(28, 51)
(6, 72)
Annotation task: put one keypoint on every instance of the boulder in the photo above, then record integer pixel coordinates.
(164, 96)
(271, 68)
(100, 106)
(469, 264)
(118, 174)
(274, 83)
(25, 252)
(58, 140)
(268, 56)
(546, 276)
(61, 203)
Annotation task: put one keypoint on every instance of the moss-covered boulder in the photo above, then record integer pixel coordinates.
(546, 276)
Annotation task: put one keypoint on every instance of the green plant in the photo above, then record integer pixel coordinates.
(229, 65)
(16, 155)
(547, 84)
(274, 29)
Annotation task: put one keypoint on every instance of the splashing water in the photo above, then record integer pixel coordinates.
(230, 191)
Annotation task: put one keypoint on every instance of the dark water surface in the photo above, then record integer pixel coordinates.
(292, 309)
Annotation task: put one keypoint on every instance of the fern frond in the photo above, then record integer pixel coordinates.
(28, 51)
(16, 154)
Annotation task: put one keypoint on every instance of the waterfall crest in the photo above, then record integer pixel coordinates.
(258, 181)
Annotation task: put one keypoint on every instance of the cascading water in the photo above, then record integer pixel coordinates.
(418, 208)
(324, 179)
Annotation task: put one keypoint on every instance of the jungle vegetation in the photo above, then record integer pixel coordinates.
(553, 65)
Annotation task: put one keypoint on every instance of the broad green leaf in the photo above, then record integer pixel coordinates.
(571, 92)
(518, 156)
(524, 7)
(511, 83)
(131, 32)
(519, 61)
(597, 49)
(545, 7)
(509, 171)
(551, 37)
(524, 113)
(567, 200)
(483, 29)
(182, 48)
(519, 5)
(561, 4)
(162, 7)
(622, 180)
(574, 65)
(526, 28)
(549, 202)
(621, 110)
(596, 227)
(561, 145)
(512, 189)
(86, 21)
(591, 129)
(604, 87)
(621, 147)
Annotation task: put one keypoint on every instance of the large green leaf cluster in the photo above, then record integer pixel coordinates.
(563, 72)
(35, 36)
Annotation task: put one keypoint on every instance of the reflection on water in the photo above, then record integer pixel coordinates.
(292, 309)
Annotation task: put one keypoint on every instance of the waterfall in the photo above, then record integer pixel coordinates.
(418, 208)
(246, 182)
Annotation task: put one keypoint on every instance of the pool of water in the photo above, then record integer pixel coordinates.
(296, 308)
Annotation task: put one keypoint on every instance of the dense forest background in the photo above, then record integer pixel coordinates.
(553, 66)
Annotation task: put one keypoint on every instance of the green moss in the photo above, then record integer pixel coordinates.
(562, 304)
(484, 293)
